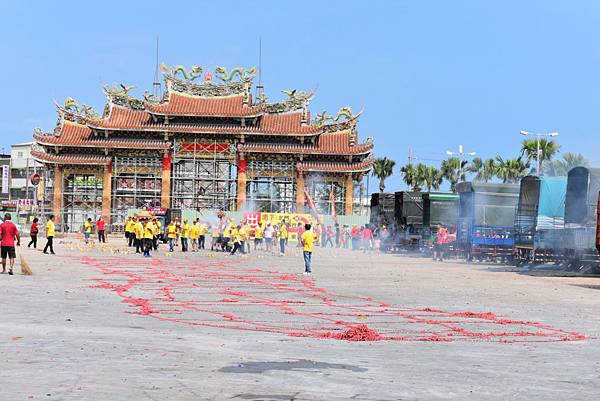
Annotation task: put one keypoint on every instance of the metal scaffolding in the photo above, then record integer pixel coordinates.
(136, 184)
(204, 176)
(81, 199)
(319, 188)
(270, 186)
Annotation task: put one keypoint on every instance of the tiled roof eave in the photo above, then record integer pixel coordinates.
(360, 150)
(70, 159)
(164, 114)
(171, 129)
(336, 167)
(101, 144)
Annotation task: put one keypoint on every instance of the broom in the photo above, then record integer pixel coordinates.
(25, 269)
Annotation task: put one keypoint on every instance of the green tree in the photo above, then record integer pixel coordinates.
(561, 167)
(510, 171)
(454, 170)
(383, 168)
(484, 170)
(410, 176)
(547, 149)
(431, 177)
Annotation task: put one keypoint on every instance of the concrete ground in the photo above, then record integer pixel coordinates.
(99, 324)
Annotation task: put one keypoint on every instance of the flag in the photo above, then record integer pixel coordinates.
(311, 206)
(332, 202)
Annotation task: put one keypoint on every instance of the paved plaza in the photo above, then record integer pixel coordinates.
(102, 324)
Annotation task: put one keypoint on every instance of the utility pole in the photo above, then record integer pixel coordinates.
(538, 135)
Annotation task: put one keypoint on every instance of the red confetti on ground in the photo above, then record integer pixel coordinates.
(192, 293)
(359, 333)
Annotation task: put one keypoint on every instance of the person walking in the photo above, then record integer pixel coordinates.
(283, 237)
(236, 238)
(440, 243)
(354, 237)
(172, 235)
(202, 229)
(185, 235)
(158, 232)
(338, 244)
(299, 232)
(8, 233)
(194, 228)
(367, 236)
(101, 227)
(258, 237)
(308, 239)
(33, 233)
(147, 237)
(50, 233)
(329, 238)
(139, 236)
(130, 231)
(87, 229)
(269, 232)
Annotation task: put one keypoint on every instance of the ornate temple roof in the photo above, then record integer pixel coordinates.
(339, 143)
(182, 104)
(192, 107)
(70, 158)
(125, 119)
(362, 166)
(78, 135)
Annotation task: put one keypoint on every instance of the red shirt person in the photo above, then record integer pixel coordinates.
(8, 233)
(100, 227)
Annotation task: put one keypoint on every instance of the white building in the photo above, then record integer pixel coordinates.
(23, 166)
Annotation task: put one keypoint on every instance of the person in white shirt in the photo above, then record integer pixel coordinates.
(269, 231)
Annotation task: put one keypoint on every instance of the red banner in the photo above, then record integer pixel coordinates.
(205, 147)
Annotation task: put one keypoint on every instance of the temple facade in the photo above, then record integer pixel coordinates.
(206, 143)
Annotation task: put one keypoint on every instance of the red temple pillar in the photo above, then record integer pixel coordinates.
(57, 194)
(107, 193)
(300, 192)
(349, 194)
(165, 195)
(241, 182)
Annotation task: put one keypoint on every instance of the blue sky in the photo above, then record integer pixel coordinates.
(430, 74)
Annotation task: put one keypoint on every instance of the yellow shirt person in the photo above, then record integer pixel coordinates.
(185, 230)
(172, 230)
(50, 229)
(308, 240)
(194, 232)
(283, 232)
(202, 228)
(139, 230)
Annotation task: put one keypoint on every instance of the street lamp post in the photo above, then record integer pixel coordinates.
(538, 135)
(461, 153)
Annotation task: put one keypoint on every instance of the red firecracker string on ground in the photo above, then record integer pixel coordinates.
(230, 296)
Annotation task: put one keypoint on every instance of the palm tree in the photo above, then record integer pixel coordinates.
(432, 178)
(383, 168)
(569, 160)
(453, 169)
(511, 171)
(483, 170)
(547, 149)
(409, 175)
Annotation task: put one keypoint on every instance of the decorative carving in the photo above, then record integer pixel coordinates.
(121, 97)
(195, 71)
(344, 119)
(244, 75)
(296, 100)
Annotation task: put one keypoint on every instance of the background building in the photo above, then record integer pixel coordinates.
(23, 166)
(4, 177)
(203, 146)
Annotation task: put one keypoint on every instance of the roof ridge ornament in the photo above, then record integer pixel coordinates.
(243, 74)
(194, 72)
(121, 97)
(296, 100)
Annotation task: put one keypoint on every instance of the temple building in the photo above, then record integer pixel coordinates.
(206, 143)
